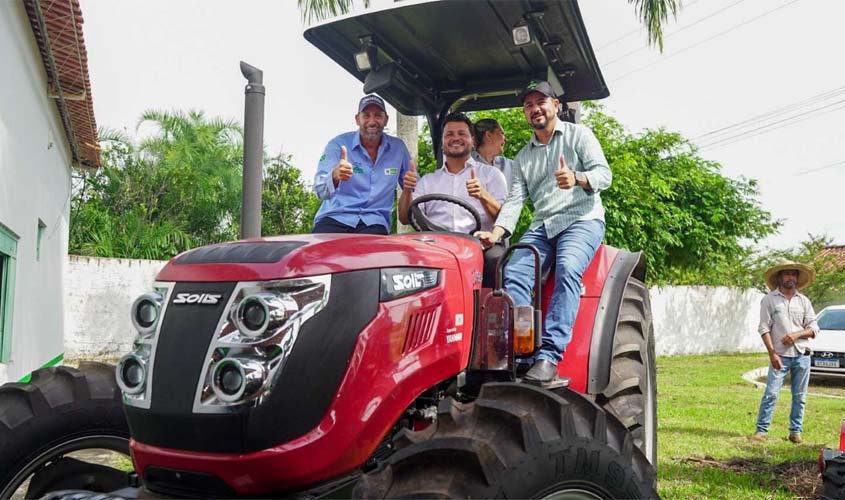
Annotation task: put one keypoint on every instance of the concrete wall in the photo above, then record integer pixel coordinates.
(98, 295)
(700, 320)
(34, 185)
(687, 320)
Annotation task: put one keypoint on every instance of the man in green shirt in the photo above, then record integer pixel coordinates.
(562, 170)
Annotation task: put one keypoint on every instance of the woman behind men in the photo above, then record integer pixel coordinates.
(489, 145)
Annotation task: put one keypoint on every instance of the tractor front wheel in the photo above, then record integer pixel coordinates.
(62, 411)
(515, 441)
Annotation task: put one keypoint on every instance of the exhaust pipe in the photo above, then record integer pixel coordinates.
(253, 171)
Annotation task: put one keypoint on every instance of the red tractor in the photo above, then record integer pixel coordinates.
(372, 366)
(832, 469)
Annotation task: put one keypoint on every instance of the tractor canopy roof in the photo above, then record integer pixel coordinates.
(430, 57)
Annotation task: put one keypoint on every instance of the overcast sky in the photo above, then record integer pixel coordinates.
(755, 83)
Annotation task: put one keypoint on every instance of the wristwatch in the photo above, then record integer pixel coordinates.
(580, 177)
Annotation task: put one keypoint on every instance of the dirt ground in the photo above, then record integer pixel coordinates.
(800, 478)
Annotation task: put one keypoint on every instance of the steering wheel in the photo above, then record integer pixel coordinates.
(420, 222)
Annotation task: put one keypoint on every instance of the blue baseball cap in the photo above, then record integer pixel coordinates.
(371, 99)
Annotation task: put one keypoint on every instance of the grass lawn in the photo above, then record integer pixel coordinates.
(706, 411)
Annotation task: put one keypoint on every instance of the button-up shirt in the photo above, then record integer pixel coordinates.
(780, 316)
(500, 163)
(444, 182)
(533, 177)
(368, 195)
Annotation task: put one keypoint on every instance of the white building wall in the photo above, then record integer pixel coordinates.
(702, 320)
(687, 320)
(35, 183)
(98, 295)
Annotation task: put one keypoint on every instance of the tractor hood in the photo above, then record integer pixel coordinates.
(316, 254)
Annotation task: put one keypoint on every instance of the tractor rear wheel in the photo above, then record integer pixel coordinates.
(62, 410)
(515, 441)
(631, 394)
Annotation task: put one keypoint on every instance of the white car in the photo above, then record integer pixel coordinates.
(829, 345)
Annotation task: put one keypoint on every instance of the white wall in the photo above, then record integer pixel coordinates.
(34, 184)
(687, 320)
(98, 295)
(700, 320)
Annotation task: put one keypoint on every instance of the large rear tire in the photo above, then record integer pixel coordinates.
(631, 394)
(61, 410)
(515, 441)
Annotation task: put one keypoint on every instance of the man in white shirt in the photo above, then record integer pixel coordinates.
(480, 185)
(787, 320)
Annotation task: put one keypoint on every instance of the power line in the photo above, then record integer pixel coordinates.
(735, 27)
(823, 167)
(769, 114)
(719, 11)
(828, 108)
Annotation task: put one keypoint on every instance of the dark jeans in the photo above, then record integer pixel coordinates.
(329, 225)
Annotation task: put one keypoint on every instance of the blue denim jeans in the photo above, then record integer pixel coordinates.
(572, 251)
(799, 371)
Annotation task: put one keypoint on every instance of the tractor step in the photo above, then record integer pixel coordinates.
(555, 383)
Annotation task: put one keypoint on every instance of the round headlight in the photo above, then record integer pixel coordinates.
(234, 379)
(252, 316)
(131, 374)
(145, 312)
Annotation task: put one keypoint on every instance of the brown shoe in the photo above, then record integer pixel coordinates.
(795, 438)
(757, 437)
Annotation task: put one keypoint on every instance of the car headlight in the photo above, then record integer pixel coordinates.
(255, 338)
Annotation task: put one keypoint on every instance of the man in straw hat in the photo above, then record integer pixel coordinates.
(787, 320)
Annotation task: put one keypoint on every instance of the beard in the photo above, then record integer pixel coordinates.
(457, 153)
(539, 122)
(789, 285)
(371, 133)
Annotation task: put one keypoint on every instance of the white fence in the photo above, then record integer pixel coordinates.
(687, 320)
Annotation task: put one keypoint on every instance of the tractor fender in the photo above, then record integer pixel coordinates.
(625, 266)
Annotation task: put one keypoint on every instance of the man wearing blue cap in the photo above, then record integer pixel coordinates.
(358, 173)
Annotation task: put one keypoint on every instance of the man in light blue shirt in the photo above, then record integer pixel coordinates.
(358, 173)
(562, 170)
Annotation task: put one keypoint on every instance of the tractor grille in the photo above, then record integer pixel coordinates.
(421, 327)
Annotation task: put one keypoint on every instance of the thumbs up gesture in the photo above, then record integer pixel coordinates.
(409, 181)
(474, 187)
(564, 176)
(343, 170)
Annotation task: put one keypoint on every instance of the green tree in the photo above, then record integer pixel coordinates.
(288, 205)
(693, 223)
(177, 189)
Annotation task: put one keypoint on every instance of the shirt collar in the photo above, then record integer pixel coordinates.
(559, 126)
(471, 162)
(777, 291)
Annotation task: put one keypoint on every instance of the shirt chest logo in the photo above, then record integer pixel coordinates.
(391, 171)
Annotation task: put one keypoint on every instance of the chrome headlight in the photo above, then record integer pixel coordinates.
(146, 311)
(255, 338)
(133, 371)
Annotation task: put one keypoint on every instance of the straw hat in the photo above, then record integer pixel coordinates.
(805, 273)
